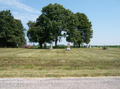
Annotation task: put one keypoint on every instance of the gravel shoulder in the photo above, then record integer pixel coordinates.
(61, 83)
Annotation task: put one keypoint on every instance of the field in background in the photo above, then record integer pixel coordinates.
(98, 46)
(21, 62)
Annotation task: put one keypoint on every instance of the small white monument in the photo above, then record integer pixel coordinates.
(89, 45)
(51, 47)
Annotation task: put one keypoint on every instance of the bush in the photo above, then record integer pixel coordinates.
(26, 46)
(104, 48)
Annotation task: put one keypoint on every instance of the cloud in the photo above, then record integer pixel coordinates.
(20, 10)
(17, 5)
(25, 17)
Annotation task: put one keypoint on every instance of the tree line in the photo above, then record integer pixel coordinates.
(54, 23)
(54, 19)
(11, 30)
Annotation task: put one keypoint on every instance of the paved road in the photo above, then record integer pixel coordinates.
(65, 83)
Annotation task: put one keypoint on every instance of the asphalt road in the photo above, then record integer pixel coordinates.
(63, 83)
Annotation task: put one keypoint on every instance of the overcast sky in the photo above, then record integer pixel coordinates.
(104, 15)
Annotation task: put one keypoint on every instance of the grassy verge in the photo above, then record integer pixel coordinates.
(79, 62)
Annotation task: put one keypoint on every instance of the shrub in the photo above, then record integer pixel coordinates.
(26, 46)
(22, 46)
(104, 48)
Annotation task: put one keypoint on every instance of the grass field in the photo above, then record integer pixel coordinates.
(79, 62)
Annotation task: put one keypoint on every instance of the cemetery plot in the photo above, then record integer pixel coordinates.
(22, 62)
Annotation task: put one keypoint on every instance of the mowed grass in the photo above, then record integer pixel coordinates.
(79, 62)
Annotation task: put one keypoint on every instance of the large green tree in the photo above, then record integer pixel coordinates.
(55, 19)
(20, 33)
(80, 31)
(56, 14)
(73, 35)
(40, 31)
(48, 25)
(84, 26)
(11, 30)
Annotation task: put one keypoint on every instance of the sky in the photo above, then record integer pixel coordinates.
(104, 15)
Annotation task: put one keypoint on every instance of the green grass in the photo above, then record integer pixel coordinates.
(79, 62)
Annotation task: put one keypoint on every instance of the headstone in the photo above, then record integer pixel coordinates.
(51, 47)
(89, 45)
(68, 47)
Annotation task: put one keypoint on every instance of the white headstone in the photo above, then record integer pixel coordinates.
(51, 47)
(89, 45)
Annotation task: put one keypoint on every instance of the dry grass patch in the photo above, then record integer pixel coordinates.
(21, 62)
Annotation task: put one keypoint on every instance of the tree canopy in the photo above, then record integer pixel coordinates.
(54, 19)
(50, 24)
(40, 31)
(56, 13)
(84, 26)
(11, 30)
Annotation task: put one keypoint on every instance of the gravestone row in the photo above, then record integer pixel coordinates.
(68, 47)
(87, 46)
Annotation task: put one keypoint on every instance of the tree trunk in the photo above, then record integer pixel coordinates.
(79, 45)
(55, 43)
(45, 45)
(74, 45)
(40, 43)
